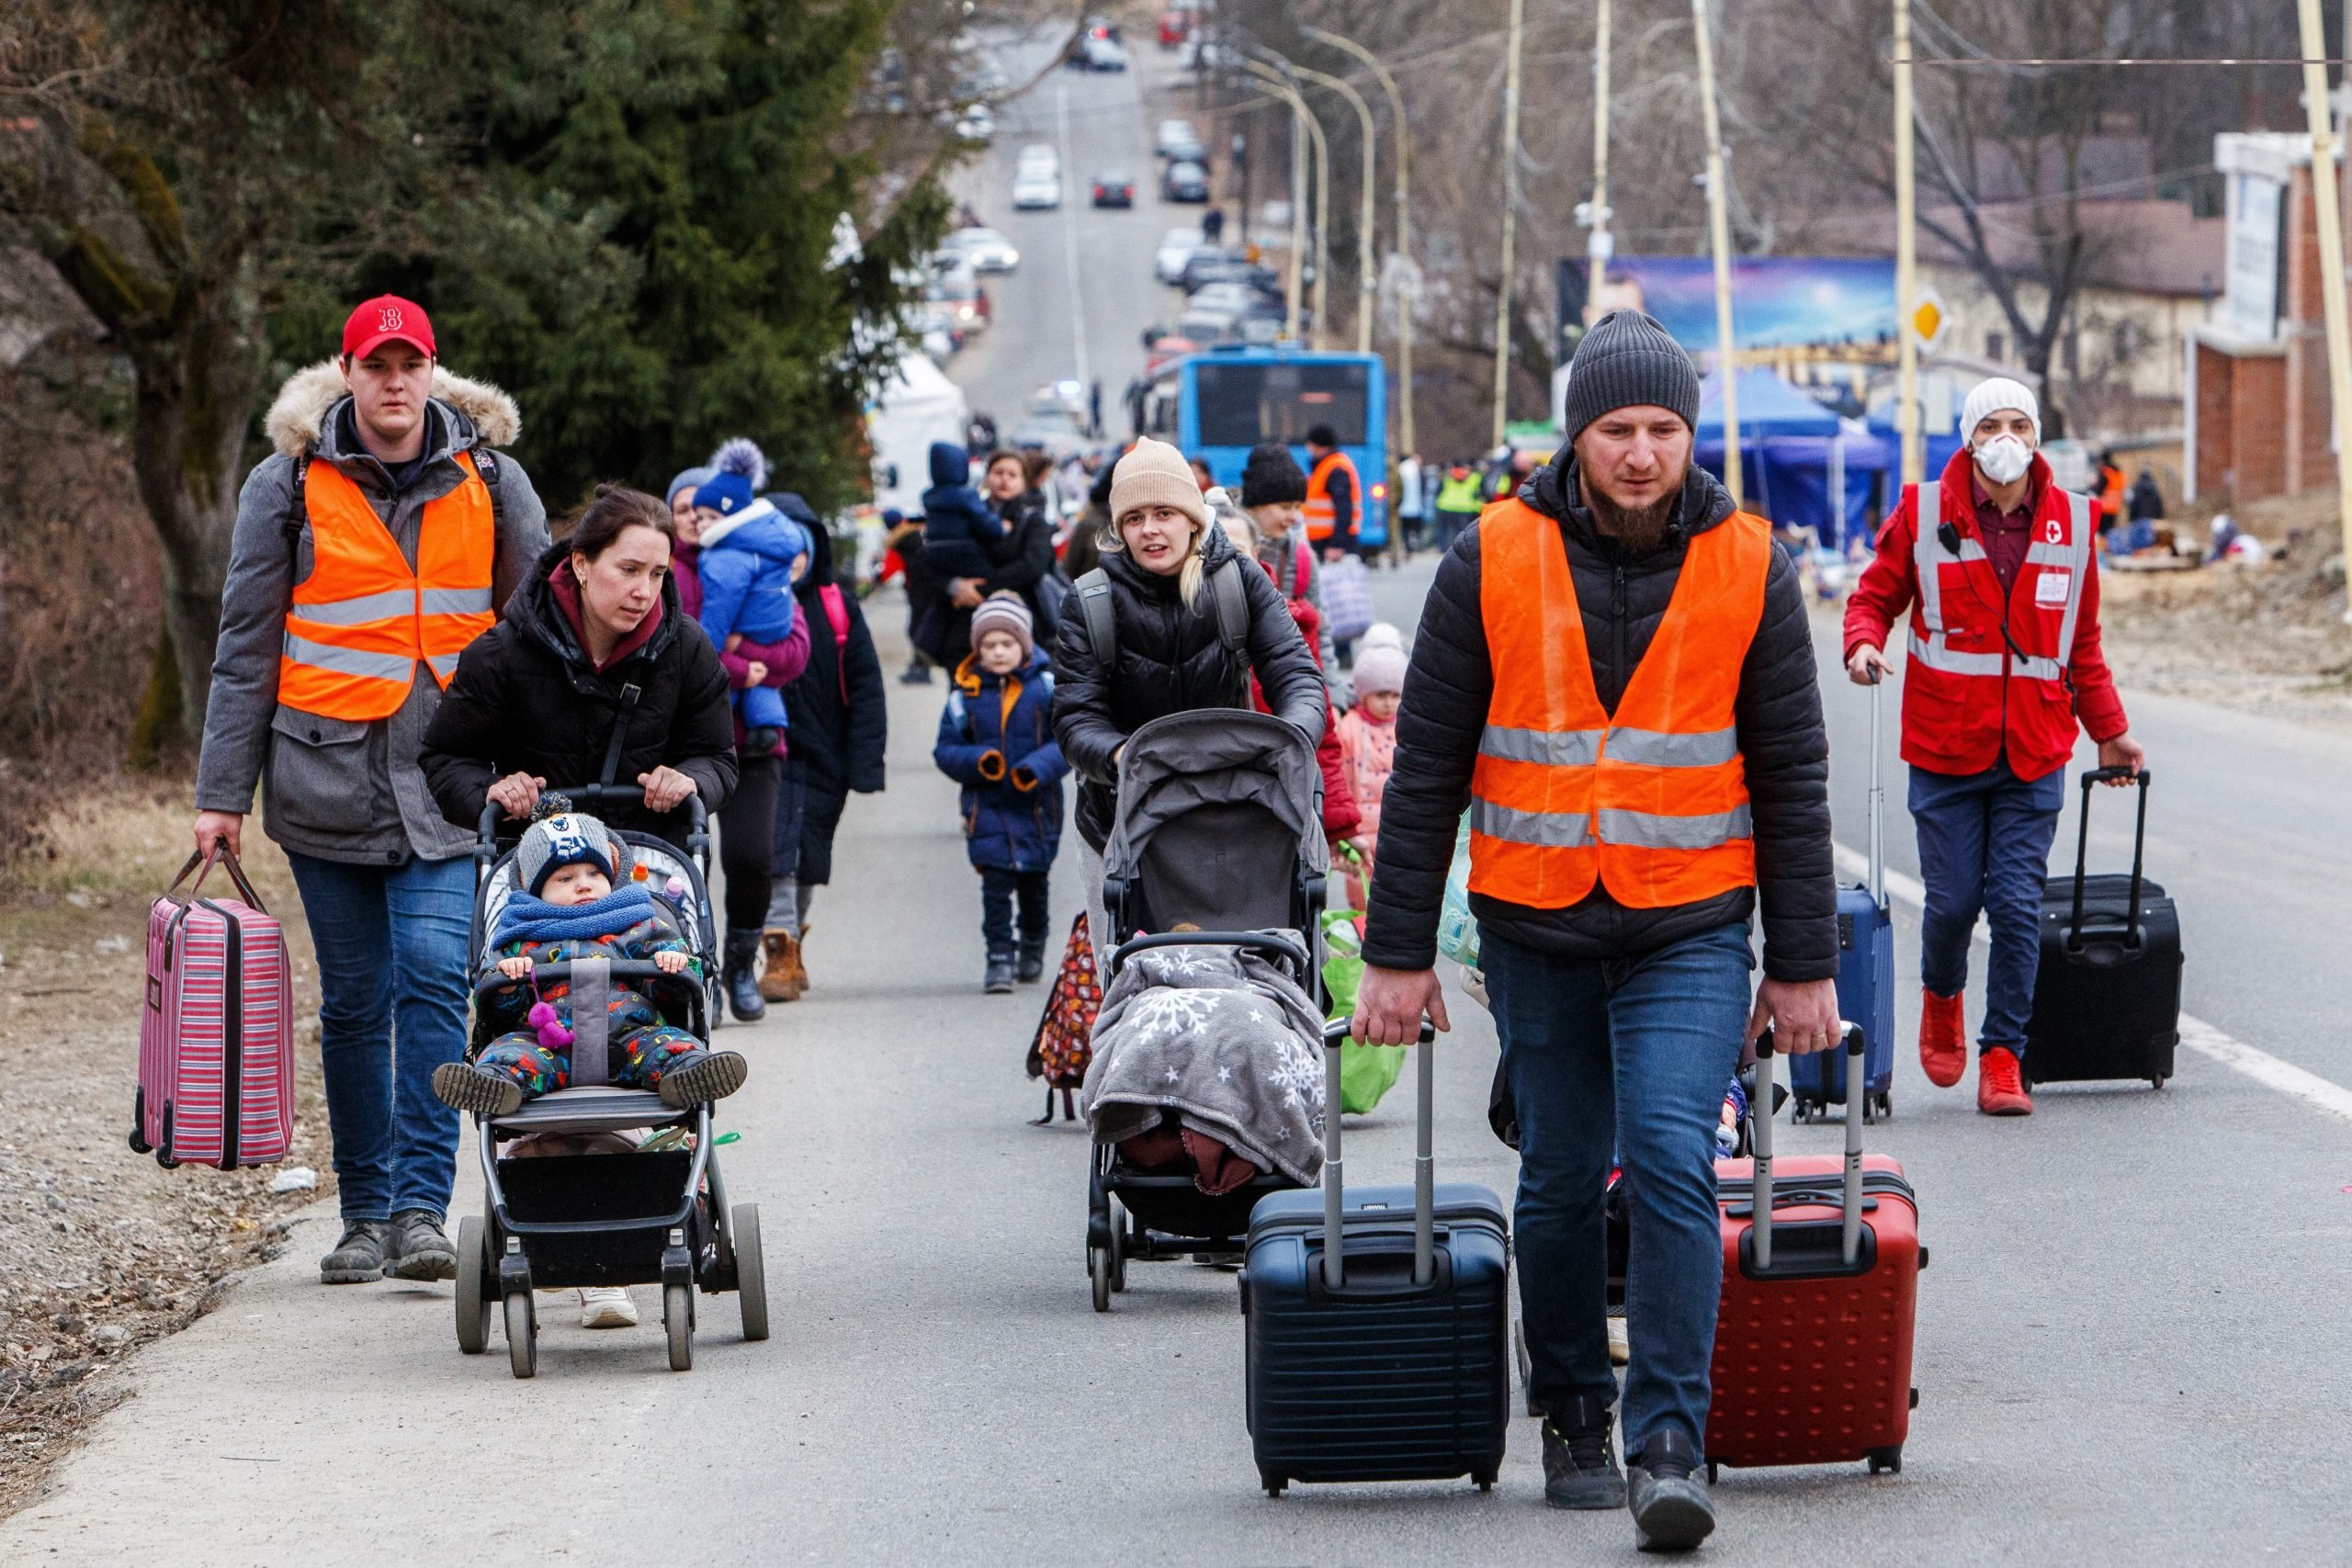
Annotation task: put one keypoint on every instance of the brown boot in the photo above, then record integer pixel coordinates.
(780, 980)
(800, 967)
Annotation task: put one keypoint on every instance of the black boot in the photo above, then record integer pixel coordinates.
(1032, 959)
(1668, 1493)
(743, 976)
(1579, 1459)
(998, 981)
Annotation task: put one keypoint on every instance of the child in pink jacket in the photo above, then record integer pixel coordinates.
(1368, 739)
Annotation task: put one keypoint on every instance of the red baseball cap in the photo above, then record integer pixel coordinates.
(386, 318)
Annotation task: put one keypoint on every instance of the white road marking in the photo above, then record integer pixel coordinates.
(2319, 1093)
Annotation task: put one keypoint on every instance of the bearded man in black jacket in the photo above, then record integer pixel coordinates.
(1614, 673)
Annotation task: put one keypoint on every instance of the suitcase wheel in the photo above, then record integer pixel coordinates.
(1484, 1479)
(1272, 1484)
(1886, 1462)
(139, 1144)
(2155, 1080)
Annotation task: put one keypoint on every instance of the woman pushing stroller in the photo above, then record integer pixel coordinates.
(574, 899)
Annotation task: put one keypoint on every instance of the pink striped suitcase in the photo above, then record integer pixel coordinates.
(216, 1038)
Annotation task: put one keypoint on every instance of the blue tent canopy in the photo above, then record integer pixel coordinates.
(1768, 405)
(1802, 465)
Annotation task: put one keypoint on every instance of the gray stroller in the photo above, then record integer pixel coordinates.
(1219, 826)
(658, 1216)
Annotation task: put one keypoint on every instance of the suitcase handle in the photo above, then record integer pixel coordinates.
(202, 863)
(1335, 1034)
(2082, 850)
(1878, 798)
(1760, 1121)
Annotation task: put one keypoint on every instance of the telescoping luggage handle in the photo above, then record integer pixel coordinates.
(1878, 796)
(1335, 1034)
(2082, 849)
(1759, 1132)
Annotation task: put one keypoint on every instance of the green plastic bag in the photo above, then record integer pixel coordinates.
(1365, 1071)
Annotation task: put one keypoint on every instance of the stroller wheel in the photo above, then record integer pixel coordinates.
(677, 1319)
(522, 1335)
(1098, 1270)
(1118, 1245)
(750, 1271)
(473, 1301)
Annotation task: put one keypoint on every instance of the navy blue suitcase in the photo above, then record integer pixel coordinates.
(1391, 1360)
(1865, 979)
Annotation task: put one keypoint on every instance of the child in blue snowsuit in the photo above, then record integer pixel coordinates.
(958, 528)
(748, 552)
(996, 739)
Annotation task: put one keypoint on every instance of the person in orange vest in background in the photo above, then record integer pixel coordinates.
(380, 538)
(2003, 590)
(1615, 670)
(2111, 490)
(1334, 509)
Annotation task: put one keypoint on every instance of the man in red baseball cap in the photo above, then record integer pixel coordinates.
(408, 531)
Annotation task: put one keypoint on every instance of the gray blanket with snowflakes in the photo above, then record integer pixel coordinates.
(1222, 1040)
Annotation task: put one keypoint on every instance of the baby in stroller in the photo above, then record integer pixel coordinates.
(573, 900)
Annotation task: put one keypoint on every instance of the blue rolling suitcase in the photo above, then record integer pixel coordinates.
(1386, 1359)
(1865, 978)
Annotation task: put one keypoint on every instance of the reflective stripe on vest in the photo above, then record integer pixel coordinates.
(1652, 802)
(1322, 517)
(362, 620)
(1929, 557)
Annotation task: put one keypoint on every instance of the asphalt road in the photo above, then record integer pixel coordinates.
(2130, 1340)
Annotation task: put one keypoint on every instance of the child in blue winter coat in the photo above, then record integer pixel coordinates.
(996, 739)
(958, 528)
(748, 553)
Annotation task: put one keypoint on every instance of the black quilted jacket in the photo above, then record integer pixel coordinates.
(1623, 600)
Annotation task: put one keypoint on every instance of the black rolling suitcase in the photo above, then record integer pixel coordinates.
(2106, 1000)
(1388, 1360)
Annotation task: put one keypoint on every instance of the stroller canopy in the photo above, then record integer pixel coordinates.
(1220, 819)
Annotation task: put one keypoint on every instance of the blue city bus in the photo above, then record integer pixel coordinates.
(1219, 403)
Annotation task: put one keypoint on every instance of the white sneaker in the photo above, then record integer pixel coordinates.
(606, 1307)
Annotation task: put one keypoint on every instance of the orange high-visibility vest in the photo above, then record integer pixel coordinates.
(1322, 517)
(1651, 801)
(363, 619)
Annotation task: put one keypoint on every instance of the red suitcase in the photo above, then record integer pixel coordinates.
(216, 1046)
(1813, 1342)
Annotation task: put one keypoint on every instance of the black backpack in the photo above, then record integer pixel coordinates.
(1093, 592)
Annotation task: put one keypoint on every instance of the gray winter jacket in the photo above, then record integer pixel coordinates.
(344, 789)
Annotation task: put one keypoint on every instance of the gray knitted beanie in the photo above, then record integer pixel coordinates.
(566, 837)
(1626, 360)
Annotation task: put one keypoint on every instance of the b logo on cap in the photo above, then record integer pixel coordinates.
(388, 320)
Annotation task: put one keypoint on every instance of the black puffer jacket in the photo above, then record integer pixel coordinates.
(1623, 599)
(1170, 661)
(525, 699)
(840, 720)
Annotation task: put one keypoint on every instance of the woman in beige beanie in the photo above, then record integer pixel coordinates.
(1159, 556)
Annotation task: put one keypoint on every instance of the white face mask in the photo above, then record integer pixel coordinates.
(2003, 459)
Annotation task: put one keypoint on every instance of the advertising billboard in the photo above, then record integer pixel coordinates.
(1787, 312)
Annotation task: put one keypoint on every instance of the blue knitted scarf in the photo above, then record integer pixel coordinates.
(527, 918)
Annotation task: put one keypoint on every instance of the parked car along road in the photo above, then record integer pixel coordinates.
(1037, 178)
(983, 250)
(1184, 181)
(1176, 248)
(1114, 190)
(1173, 135)
(1049, 427)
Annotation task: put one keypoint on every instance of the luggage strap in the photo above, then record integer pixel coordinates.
(630, 693)
(592, 988)
(204, 859)
(1093, 591)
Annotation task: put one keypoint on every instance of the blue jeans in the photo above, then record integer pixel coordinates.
(394, 985)
(1985, 844)
(1626, 1057)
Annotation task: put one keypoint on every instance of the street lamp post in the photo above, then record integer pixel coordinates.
(1601, 245)
(1404, 224)
(1367, 284)
(1301, 121)
(1907, 262)
(1511, 215)
(2325, 213)
(1719, 233)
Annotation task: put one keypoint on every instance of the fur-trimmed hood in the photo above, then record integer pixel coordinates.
(300, 413)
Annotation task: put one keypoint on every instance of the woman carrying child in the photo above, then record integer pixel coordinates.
(996, 739)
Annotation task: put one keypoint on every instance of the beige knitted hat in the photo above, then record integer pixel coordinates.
(1155, 474)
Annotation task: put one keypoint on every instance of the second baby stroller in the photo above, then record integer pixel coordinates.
(1218, 830)
(658, 1215)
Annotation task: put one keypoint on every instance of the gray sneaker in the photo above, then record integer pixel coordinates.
(1580, 1459)
(1666, 1488)
(358, 1258)
(419, 1249)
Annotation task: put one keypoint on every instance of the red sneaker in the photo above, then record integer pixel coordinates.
(1943, 1039)
(2000, 1085)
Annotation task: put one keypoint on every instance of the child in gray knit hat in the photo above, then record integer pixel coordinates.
(574, 898)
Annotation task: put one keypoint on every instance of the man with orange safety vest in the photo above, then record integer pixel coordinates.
(1614, 672)
(377, 542)
(1334, 509)
(2003, 590)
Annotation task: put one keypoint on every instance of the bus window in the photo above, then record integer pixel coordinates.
(1244, 403)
